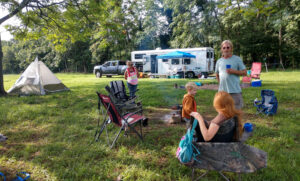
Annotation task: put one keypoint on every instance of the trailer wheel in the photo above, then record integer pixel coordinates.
(190, 75)
(98, 73)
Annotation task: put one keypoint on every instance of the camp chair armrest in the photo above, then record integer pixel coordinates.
(129, 101)
(257, 103)
(130, 106)
(131, 114)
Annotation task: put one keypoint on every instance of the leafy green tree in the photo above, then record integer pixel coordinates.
(10, 64)
(195, 23)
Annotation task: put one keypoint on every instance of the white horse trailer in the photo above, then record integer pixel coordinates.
(203, 64)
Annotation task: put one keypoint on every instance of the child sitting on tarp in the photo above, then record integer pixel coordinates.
(188, 103)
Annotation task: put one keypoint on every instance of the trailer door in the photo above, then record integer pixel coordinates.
(211, 61)
(154, 64)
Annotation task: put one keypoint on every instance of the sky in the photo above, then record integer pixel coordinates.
(5, 35)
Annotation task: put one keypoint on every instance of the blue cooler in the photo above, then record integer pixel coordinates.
(177, 76)
(256, 83)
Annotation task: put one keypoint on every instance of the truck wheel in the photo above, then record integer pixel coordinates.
(98, 73)
(205, 75)
(190, 75)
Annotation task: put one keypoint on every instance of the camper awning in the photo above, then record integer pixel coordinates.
(176, 54)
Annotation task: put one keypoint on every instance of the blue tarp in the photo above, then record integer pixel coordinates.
(176, 54)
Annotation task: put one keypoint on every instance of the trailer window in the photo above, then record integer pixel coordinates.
(211, 55)
(165, 60)
(175, 61)
(139, 56)
(207, 54)
(186, 61)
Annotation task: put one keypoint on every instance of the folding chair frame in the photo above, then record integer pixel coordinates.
(206, 172)
(104, 109)
(124, 107)
(242, 139)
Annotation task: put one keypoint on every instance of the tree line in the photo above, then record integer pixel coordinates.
(73, 36)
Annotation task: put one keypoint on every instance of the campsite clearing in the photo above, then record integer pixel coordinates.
(49, 136)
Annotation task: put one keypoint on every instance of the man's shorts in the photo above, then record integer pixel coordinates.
(238, 100)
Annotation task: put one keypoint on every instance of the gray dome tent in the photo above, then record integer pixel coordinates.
(37, 79)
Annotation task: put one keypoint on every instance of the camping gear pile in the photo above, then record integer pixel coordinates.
(254, 73)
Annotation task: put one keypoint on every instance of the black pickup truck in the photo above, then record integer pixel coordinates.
(109, 68)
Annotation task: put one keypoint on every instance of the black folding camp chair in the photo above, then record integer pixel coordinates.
(119, 90)
(112, 116)
(123, 106)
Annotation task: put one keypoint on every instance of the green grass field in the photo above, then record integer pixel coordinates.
(50, 136)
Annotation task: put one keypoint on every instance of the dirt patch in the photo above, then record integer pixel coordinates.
(209, 86)
(163, 115)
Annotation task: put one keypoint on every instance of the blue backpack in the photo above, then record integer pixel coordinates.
(185, 151)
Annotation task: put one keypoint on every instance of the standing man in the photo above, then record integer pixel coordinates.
(229, 68)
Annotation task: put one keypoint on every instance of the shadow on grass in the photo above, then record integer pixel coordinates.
(57, 132)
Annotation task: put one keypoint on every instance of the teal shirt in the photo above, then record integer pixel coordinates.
(229, 82)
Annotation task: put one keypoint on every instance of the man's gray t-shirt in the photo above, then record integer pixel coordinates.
(229, 82)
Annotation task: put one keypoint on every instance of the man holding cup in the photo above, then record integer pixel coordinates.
(228, 69)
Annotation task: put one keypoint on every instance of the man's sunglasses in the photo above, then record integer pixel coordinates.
(225, 48)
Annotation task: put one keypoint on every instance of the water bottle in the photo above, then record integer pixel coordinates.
(256, 101)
